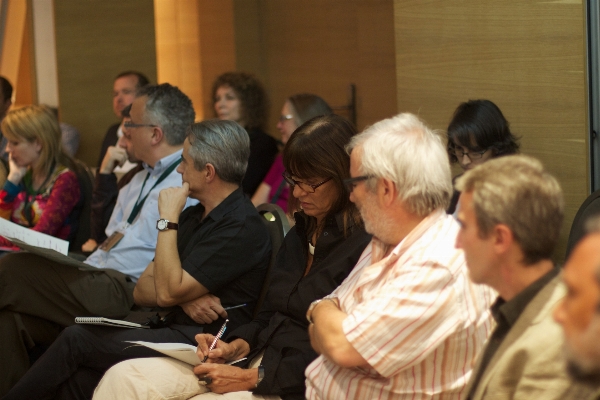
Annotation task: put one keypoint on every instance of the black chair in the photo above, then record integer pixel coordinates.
(590, 207)
(278, 225)
(86, 185)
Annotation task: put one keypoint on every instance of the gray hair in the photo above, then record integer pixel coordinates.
(518, 192)
(169, 108)
(224, 144)
(404, 150)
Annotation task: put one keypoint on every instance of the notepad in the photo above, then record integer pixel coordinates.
(109, 322)
(179, 351)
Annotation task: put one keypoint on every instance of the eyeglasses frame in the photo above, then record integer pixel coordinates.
(292, 182)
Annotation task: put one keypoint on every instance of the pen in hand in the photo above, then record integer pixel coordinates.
(214, 343)
(232, 307)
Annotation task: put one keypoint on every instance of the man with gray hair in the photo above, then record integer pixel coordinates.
(407, 323)
(39, 297)
(510, 213)
(579, 311)
(215, 253)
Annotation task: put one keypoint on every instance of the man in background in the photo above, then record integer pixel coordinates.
(124, 88)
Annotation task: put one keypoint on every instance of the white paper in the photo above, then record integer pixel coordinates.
(10, 230)
(180, 351)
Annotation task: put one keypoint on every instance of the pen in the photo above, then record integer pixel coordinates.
(219, 335)
(232, 307)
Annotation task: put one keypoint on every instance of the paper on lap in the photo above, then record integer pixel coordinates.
(12, 231)
(180, 351)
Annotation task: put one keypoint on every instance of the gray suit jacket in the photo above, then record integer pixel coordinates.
(529, 364)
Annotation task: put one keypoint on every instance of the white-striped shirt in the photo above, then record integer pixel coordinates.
(414, 316)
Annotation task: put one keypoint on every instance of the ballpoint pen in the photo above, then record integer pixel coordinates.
(232, 307)
(219, 335)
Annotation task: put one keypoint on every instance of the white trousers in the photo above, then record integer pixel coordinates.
(161, 379)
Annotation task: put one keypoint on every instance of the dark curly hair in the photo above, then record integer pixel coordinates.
(480, 122)
(253, 97)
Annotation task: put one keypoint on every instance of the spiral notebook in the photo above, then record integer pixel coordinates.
(109, 322)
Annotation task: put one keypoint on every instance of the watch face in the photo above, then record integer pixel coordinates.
(161, 224)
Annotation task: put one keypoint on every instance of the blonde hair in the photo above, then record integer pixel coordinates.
(518, 192)
(31, 123)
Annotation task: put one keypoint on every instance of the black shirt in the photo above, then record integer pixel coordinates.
(228, 253)
(281, 328)
(506, 314)
(263, 149)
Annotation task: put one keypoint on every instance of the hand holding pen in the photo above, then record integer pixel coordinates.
(214, 342)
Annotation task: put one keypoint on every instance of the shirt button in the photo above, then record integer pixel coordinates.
(325, 233)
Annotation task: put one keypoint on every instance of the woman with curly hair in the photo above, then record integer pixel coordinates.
(240, 97)
(478, 132)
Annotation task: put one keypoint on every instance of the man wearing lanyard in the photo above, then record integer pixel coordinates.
(39, 297)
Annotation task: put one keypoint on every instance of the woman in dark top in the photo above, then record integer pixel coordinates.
(240, 97)
(478, 132)
(316, 256)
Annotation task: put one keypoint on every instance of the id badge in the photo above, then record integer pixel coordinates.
(112, 241)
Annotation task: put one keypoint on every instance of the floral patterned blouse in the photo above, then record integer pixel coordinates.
(48, 210)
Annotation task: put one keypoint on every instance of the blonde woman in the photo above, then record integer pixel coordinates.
(41, 191)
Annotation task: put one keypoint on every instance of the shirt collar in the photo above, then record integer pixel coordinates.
(226, 205)
(163, 163)
(511, 310)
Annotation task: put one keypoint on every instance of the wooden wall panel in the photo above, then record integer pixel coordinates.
(526, 56)
(194, 44)
(95, 40)
(320, 47)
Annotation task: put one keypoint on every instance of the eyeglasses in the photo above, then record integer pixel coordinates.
(307, 187)
(473, 155)
(350, 183)
(129, 125)
(283, 118)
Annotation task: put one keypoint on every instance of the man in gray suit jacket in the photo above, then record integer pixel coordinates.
(579, 312)
(510, 212)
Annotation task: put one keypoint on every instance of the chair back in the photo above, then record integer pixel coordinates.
(278, 225)
(591, 206)
(86, 185)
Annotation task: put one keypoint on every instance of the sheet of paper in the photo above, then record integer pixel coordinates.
(10, 230)
(180, 351)
(53, 255)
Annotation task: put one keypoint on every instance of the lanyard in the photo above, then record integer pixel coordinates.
(139, 204)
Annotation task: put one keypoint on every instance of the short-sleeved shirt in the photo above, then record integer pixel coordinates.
(414, 316)
(227, 252)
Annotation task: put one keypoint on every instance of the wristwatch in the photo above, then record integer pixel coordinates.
(164, 224)
(261, 375)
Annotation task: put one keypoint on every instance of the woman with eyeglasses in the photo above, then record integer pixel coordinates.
(316, 256)
(240, 97)
(296, 110)
(41, 191)
(478, 132)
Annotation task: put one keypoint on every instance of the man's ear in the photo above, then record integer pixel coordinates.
(386, 191)
(157, 135)
(210, 172)
(503, 238)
